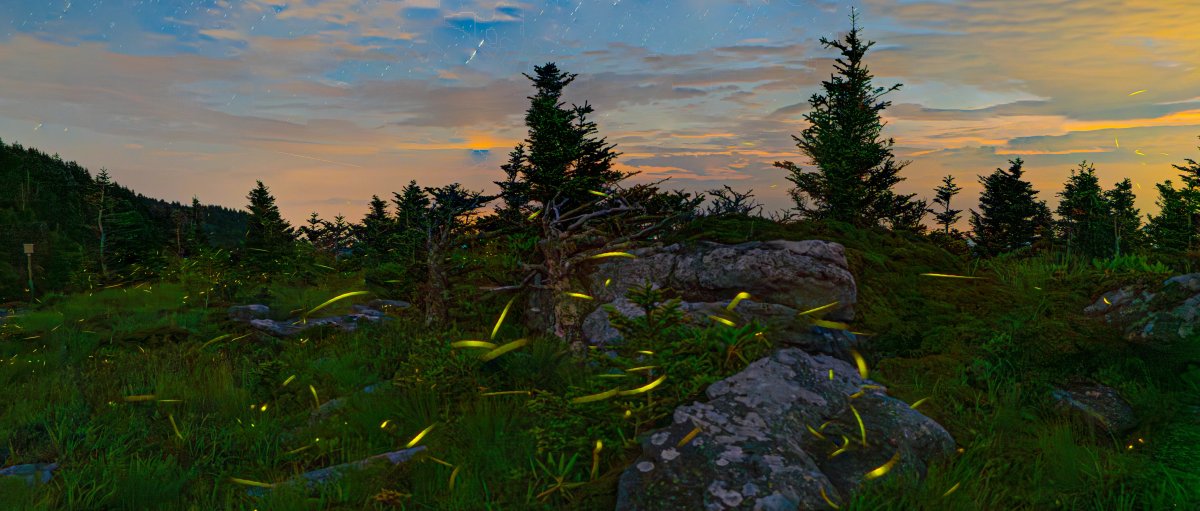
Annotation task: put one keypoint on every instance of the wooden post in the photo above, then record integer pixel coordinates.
(29, 267)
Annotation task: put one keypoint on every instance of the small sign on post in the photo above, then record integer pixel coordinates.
(28, 248)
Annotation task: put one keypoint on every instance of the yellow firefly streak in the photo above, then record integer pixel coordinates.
(827, 501)
(289, 380)
(580, 295)
(1139, 152)
(419, 436)
(943, 275)
(385, 423)
(834, 325)
(596, 397)
(722, 320)
(951, 490)
(331, 300)
(814, 432)
(688, 437)
(919, 401)
(860, 362)
(173, 426)
(454, 475)
(251, 483)
(473, 344)
(503, 349)
(861, 427)
(1134, 93)
(883, 469)
(818, 309)
(501, 320)
(316, 401)
(740, 296)
(645, 388)
(613, 254)
(1106, 302)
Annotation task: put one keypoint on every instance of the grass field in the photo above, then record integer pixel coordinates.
(984, 351)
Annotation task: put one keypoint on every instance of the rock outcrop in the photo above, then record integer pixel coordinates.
(783, 277)
(755, 451)
(1166, 315)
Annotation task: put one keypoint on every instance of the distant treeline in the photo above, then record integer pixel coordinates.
(62, 209)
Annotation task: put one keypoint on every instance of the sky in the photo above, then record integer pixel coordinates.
(331, 101)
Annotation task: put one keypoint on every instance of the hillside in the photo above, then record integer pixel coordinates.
(54, 204)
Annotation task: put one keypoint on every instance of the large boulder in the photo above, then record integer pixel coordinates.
(783, 277)
(754, 449)
(1169, 314)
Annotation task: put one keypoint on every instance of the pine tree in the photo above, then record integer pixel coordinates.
(269, 237)
(1085, 219)
(855, 169)
(1127, 232)
(1010, 217)
(944, 194)
(1171, 230)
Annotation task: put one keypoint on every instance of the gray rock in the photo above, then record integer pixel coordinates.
(290, 327)
(32, 473)
(754, 450)
(324, 475)
(783, 278)
(1098, 405)
(248, 312)
(1166, 315)
(779, 320)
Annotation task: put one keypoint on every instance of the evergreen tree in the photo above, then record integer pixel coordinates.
(561, 178)
(855, 169)
(1190, 196)
(376, 227)
(313, 231)
(944, 194)
(197, 235)
(269, 237)
(1010, 216)
(445, 226)
(1085, 219)
(1171, 230)
(339, 234)
(1127, 232)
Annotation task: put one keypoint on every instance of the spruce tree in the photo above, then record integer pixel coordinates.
(856, 171)
(314, 231)
(1171, 230)
(197, 236)
(1010, 217)
(1190, 196)
(269, 237)
(408, 235)
(1127, 232)
(376, 227)
(943, 195)
(562, 179)
(1085, 221)
(340, 234)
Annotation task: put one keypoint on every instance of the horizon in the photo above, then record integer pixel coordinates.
(331, 101)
